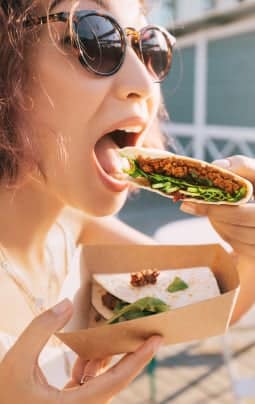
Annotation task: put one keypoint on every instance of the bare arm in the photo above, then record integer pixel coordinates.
(108, 230)
(236, 225)
(246, 299)
(112, 231)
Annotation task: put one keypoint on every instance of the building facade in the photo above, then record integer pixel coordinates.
(210, 93)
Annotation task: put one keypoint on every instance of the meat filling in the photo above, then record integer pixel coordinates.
(146, 277)
(179, 168)
(110, 301)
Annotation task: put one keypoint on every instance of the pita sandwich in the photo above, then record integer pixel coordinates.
(183, 178)
(123, 297)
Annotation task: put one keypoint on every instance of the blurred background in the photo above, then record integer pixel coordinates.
(209, 94)
(210, 97)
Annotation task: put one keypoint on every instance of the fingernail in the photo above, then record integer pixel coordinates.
(224, 163)
(61, 307)
(187, 208)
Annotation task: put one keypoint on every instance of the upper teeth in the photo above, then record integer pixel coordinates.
(132, 129)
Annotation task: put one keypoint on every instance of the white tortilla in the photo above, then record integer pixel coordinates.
(134, 152)
(97, 293)
(201, 281)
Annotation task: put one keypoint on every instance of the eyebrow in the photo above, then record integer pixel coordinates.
(100, 3)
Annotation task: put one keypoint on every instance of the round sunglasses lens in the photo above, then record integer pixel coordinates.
(100, 44)
(157, 53)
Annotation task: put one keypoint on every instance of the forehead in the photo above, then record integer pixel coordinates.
(129, 12)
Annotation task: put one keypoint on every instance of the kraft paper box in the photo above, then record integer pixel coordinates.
(193, 322)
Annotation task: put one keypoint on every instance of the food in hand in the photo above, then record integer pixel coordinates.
(183, 178)
(117, 299)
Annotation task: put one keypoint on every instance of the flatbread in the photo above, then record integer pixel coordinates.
(134, 152)
(201, 283)
(97, 293)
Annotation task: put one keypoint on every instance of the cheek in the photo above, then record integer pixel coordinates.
(65, 95)
(155, 99)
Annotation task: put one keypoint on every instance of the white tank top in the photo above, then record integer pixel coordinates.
(55, 362)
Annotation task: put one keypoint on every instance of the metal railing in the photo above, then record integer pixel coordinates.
(211, 142)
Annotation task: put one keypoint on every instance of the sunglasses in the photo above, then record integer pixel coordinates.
(101, 43)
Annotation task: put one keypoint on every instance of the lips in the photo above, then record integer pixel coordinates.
(108, 162)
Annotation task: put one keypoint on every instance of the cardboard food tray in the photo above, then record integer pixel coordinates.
(207, 318)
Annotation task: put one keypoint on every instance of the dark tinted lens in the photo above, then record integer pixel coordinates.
(100, 43)
(157, 53)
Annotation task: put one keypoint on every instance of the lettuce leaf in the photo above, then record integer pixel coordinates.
(176, 285)
(146, 306)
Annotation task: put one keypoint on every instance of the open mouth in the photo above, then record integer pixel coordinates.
(105, 148)
(122, 138)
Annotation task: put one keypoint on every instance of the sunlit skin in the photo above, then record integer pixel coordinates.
(75, 107)
(236, 225)
(71, 102)
(70, 110)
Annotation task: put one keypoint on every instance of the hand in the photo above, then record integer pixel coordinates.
(235, 224)
(84, 370)
(22, 381)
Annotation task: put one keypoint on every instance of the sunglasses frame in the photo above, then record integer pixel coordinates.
(128, 35)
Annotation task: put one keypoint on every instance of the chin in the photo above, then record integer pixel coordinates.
(104, 207)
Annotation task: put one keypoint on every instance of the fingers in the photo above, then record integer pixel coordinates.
(241, 165)
(83, 368)
(36, 335)
(91, 369)
(195, 209)
(242, 248)
(106, 362)
(243, 215)
(239, 233)
(120, 375)
(77, 372)
(104, 387)
(84, 371)
(235, 224)
(241, 239)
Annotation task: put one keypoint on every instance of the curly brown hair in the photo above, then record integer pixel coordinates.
(16, 151)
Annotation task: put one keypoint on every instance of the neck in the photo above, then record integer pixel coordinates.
(26, 216)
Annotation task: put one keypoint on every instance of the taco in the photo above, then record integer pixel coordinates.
(184, 178)
(124, 297)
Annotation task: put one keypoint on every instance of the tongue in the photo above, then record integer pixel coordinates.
(107, 155)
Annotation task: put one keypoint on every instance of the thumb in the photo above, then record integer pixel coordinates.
(36, 335)
(240, 165)
(121, 374)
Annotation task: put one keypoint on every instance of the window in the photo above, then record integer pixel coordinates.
(163, 12)
(231, 85)
(209, 4)
(171, 4)
(178, 88)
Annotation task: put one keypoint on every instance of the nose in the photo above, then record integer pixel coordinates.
(133, 79)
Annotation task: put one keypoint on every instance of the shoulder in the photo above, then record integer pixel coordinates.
(6, 342)
(110, 230)
(106, 230)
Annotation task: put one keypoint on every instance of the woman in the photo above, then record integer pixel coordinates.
(66, 105)
(68, 79)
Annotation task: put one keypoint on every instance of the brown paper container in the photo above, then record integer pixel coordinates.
(193, 322)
